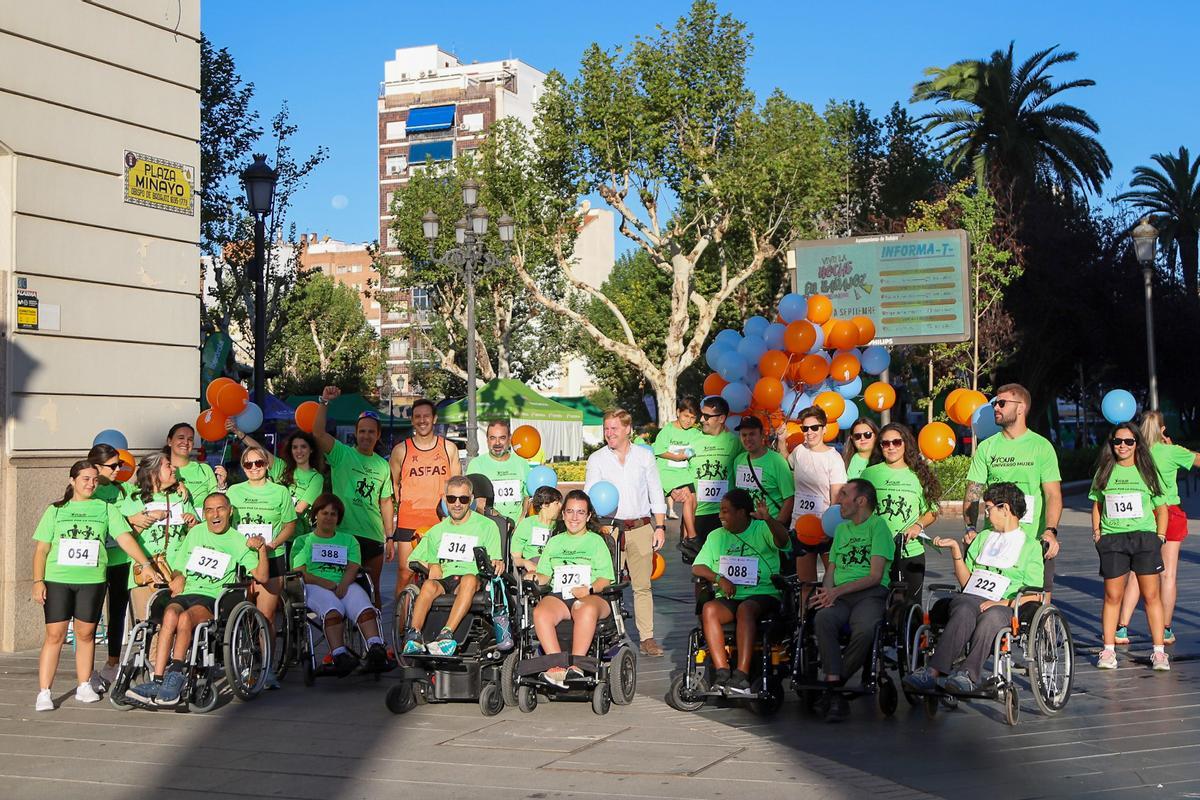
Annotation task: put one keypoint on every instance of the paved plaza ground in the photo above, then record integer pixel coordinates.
(1128, 733)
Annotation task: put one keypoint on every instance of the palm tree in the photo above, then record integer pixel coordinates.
(1009, 126)
(1173, 193)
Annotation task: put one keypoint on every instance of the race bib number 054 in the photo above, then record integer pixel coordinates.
(78, 552)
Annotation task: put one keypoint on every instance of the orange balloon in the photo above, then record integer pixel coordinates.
(820, 309)
(713, 384)
(832, 403)
(813, 369)
(845, 367)
(794, 440)
(214, 386)
(211, 425)
(794, 375)
(799, 336)
(831, 432)
(826, 329)
(773, 364)
(232, 399)
(809, 529)
(951, 399)
(768, 393)
(660, 566)
(842, 335)
(966, 404)
(879, 396)
(526, 441)
(306, 415)
(936, 441)
(128, 465)
(775, 419)
(866, 330)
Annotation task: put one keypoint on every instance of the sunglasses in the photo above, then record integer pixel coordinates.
(114, 466)
(858, 437)
(1116, 440)
(890, 442)
(710, 416)
(809, 428)
(1001, 403)
(258, 463)
(461, 499)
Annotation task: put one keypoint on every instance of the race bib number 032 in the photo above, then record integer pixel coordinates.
(507, 491)
(568, 576)
(457, 547)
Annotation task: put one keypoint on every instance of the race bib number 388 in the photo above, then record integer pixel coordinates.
(329, 554)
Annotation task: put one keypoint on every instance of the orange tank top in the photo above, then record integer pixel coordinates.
(423, 475)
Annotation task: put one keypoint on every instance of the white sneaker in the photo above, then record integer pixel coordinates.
(1160, 662)
(45, 702)
(86, 694)
(1107, 660)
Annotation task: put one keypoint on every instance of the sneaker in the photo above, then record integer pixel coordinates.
(98, 684)
(413, 644)
(1160, 662)
(922, 680)
(172, 687)
(1107, 660)
(444, 645)
(822, 704)
(1168, 635)
(376, 658)
(44, 702)
(720, 677)
(556, 676)
(344, 663)
(739, 682)
(1122, 635)
(839, 708)
(109, 673)
(144, 694)
(84, 693)
(960, 683)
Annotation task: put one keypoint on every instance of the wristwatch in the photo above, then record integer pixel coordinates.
(1051, 529)
(660, 527)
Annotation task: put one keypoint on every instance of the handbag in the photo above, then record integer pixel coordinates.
(144, 577)
(501, 626)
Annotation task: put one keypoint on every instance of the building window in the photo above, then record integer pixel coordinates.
(341, 270)
(387, 202)
(420, 299)
(393, 316)
(396, 164)
(356, 268)
(391, 239)
(472, 122)
(395, 130)
(398, 348)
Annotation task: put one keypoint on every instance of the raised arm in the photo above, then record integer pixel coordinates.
(324, 440)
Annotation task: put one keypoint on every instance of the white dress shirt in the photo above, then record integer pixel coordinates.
(638, 485)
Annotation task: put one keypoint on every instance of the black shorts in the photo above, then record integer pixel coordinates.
(799, 548)
(369, 548)
(705, 524)
(189, 601)
(277, 566)
(691, 487)
(450, 585)
(1121, 553)
(404, 534)
(81, 601)
(767, 604)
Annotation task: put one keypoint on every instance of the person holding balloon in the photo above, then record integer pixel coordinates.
(712, 463)
(198, 478)
(300, 468)
(506, 470)
(673, 451)
(863, 438)
(110, 488)
(819, 474)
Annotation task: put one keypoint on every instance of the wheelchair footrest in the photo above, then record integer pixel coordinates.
(539, 664)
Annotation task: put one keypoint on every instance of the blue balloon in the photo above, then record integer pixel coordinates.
(831, 519)
(738, 396)
(752, 376)
(875, 359)
(1118, 406)
(732, 366)
(732, 421)
(250, 420)
(793, 307)
(752, 348)
(728, 338)
(819, 342)
(540, 476)
(848, 416)
(112, 438)
(756, 327)
(604, 498)
(712, 356)
(773, 335)
(983, 422)
(828, 358)
(790, 396)
(851, 389)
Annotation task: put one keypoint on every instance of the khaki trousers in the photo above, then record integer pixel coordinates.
(639, 560)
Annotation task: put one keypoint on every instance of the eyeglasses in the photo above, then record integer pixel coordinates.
(1116, 440)
(858, 437)
(989, 508)
(704, 415)
(258, 463)
(890, 442)
(1001, 402)
(809, 428)
(113, 466)
(461, 499)
(575, 512)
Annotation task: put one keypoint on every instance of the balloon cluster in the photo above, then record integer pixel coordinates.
(227, 399)
(116, 440)
(807, 357)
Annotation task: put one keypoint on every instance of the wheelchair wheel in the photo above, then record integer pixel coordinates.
(949, 702)
(886, 697)
(1050, 657)
(527, 699)
(282, 653)
(491, 699)
(1012, 705)
(508, 677)
(400, 698)
(204, 692)
(680, 699)
(769, 701)
(247, 650)
(401, 615)
(601, 699)
(622, 676)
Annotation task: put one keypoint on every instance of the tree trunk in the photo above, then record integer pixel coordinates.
(1188, 256)
(665, 394)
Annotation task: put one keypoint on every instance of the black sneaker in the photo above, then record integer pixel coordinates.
(839, 708)
(720, 678)
(377, 658)
(739, 682)
(822, 703)
(344, 663)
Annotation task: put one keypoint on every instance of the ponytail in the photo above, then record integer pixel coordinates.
(69, 494)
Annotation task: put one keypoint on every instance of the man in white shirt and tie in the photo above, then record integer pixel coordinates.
(635, 474)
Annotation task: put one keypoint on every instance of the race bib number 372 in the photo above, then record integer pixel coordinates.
(208, 562)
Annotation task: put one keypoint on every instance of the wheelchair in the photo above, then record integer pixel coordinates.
(1041, 633)
(235, 644)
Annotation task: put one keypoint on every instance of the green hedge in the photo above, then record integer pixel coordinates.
(570, 471)
(952, 474)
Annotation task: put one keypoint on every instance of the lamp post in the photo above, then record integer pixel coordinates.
(385, 393)
(259, 180)
(1145, 236)
(470, 259)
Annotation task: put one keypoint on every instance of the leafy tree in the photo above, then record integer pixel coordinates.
(1173, 191)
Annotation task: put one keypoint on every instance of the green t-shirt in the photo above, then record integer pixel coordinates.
(1028, 461)
(901, 501)
(1028, 571)
(571, 549)
(209, 561)
(113, 493)
(1125, 502)
(360, 482)
(773, 473)
(327, 557)
(306, 486)
(755, 542)
(83, 525)
(523, 539)
(858, 464)
(713, 465)
(476, 526)
(674, 439)
(855, 545)
(508, 481)
(154, 540)
(269, 504)
(200, 481)
(1168, 460)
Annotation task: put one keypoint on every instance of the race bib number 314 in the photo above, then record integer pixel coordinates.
(457, 547)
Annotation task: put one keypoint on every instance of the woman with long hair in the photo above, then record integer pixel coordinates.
(300, 466)
(534, 531)
(861, 442)
(1129, 525)
(908, 499)
(160, 496)
(200, 479)
(70, 565)
(819, 474)
(107, 462)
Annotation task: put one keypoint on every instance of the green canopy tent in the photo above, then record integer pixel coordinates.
(560, 426)
(593, 417)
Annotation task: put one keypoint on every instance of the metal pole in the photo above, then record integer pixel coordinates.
(260, 312)
(885, 416)
(472, 424)
(391, 422)
(1148, 280)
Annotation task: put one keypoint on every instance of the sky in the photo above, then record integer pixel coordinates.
(326, 59)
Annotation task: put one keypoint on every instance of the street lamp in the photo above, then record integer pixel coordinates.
(384, 385)
(1145, 236)
(259, 181)
(470, 259)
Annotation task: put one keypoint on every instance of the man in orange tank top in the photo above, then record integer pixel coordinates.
(420, 465)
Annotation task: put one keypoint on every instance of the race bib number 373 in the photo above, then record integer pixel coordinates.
(569, 576)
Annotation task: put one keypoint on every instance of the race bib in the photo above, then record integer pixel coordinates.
(507, 491)
(256, 529)
(176, 510)
(539, 536)
(78, 552)
(457, 547)
(1001, 550)
(739, 570)
(806, 503)
(744, 478)
(711, 491)
(1123, 506)
(988, 585)
(329, 554)
(1030, 509)
(208, 562)
(678, 450)
(568, 576)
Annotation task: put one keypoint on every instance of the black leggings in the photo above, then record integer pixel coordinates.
(118, 602)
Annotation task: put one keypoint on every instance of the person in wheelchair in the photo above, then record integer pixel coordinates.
(447, 552)
(534, 531)
(740, 559)
(204, 563)
(998, 564)
(330, 562)
(578, 564)
(853, 591)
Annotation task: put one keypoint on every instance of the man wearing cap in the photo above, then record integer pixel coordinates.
(763, 472)
(635, 474)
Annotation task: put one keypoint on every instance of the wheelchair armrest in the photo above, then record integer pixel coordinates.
(698, 581)
(534, 588)
(613, 590)
(1026, 590)
(419, 568)
(484, 564)
(897, 589)
(944, 587)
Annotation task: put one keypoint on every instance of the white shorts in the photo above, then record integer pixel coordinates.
(322, 601)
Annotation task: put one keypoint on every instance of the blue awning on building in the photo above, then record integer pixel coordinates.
(438, 151)
(433, 118)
